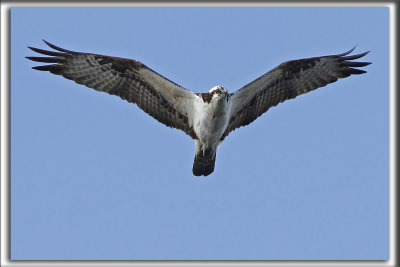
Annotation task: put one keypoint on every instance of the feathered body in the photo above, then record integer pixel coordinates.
(210, 120)
(206, 117)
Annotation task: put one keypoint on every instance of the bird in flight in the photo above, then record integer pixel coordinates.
(208, 118)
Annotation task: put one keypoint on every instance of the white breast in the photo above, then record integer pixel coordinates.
(210, 120)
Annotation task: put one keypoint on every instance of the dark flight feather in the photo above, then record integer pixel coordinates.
(129, 79)
(288, 80)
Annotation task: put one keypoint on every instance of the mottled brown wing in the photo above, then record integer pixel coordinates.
(288, 80)
(129, 79)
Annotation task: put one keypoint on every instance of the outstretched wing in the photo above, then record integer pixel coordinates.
(129, 79)
(288, 80)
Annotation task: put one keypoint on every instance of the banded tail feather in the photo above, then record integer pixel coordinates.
(210, 117)
(204, 163)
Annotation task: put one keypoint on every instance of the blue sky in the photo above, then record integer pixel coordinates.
(95, 178)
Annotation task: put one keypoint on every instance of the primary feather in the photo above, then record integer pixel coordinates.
(206, 117)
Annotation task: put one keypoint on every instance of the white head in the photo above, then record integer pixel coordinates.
(219, 90)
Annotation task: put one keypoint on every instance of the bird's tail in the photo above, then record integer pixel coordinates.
(204, 162)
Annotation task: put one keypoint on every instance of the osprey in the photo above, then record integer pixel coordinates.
(208, 118)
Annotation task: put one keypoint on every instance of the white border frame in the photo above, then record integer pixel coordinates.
(6, 150)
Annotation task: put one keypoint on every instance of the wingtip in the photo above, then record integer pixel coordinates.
(55, 68)
(46, 42)
(30, 58)
(41, 68)
(46, 52)
(351, 50)
(50, 44)
(57, 47)
(352, 57)
(347, 52)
